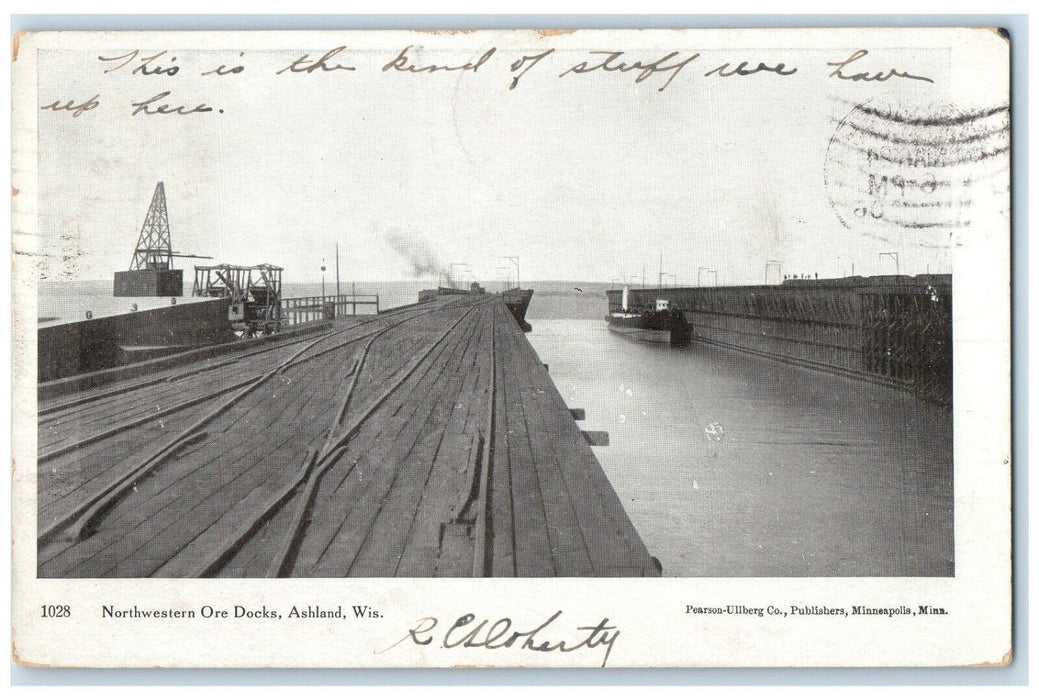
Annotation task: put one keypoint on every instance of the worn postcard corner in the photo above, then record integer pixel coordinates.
(508, 348)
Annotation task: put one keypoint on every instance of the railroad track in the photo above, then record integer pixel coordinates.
(81, 520)
(366, 544)
(176, 376)
(315, 466)
(430, 443)
(163, 378)
(133, 404)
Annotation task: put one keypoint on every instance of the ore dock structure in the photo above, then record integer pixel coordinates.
(424, 441)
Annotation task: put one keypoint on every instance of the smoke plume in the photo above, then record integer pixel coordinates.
(416, 249)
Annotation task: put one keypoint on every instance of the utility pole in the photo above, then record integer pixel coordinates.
(778, 264)
(515, 261)
(454, 280)
(337, 268)
(894, 256)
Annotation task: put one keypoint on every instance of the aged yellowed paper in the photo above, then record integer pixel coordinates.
(512, 348)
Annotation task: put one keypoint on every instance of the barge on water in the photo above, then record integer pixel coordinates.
(890, 329)
(660, 324)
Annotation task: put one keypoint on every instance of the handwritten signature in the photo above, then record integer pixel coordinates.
(501, 634)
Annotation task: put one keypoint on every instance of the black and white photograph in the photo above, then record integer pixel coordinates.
(557, 306)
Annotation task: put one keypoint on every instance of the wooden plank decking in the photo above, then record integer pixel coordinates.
(424, 442)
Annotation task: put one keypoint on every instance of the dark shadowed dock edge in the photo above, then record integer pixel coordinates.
(426, 441)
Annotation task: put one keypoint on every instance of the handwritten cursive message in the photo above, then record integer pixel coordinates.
(660, 70)
(502, 634)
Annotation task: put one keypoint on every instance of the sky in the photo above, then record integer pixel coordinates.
(588, 176)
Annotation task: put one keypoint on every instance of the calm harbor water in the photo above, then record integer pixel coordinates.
(733, 465)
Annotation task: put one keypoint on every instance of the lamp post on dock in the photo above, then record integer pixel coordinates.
(453, 266)
(322, 278)
(894, 256)
(515, 261)
(778, 264)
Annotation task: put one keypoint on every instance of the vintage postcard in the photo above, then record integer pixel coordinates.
(668, 348)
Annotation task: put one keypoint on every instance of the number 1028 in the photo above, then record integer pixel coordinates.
(56, 610)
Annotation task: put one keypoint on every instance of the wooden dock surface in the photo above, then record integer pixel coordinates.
(427, 441)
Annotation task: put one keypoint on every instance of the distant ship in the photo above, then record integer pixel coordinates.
(516, 300)
(431, 294)
(662, 324)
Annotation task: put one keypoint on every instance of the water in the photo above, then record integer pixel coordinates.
(62, 302)
(733, 465)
